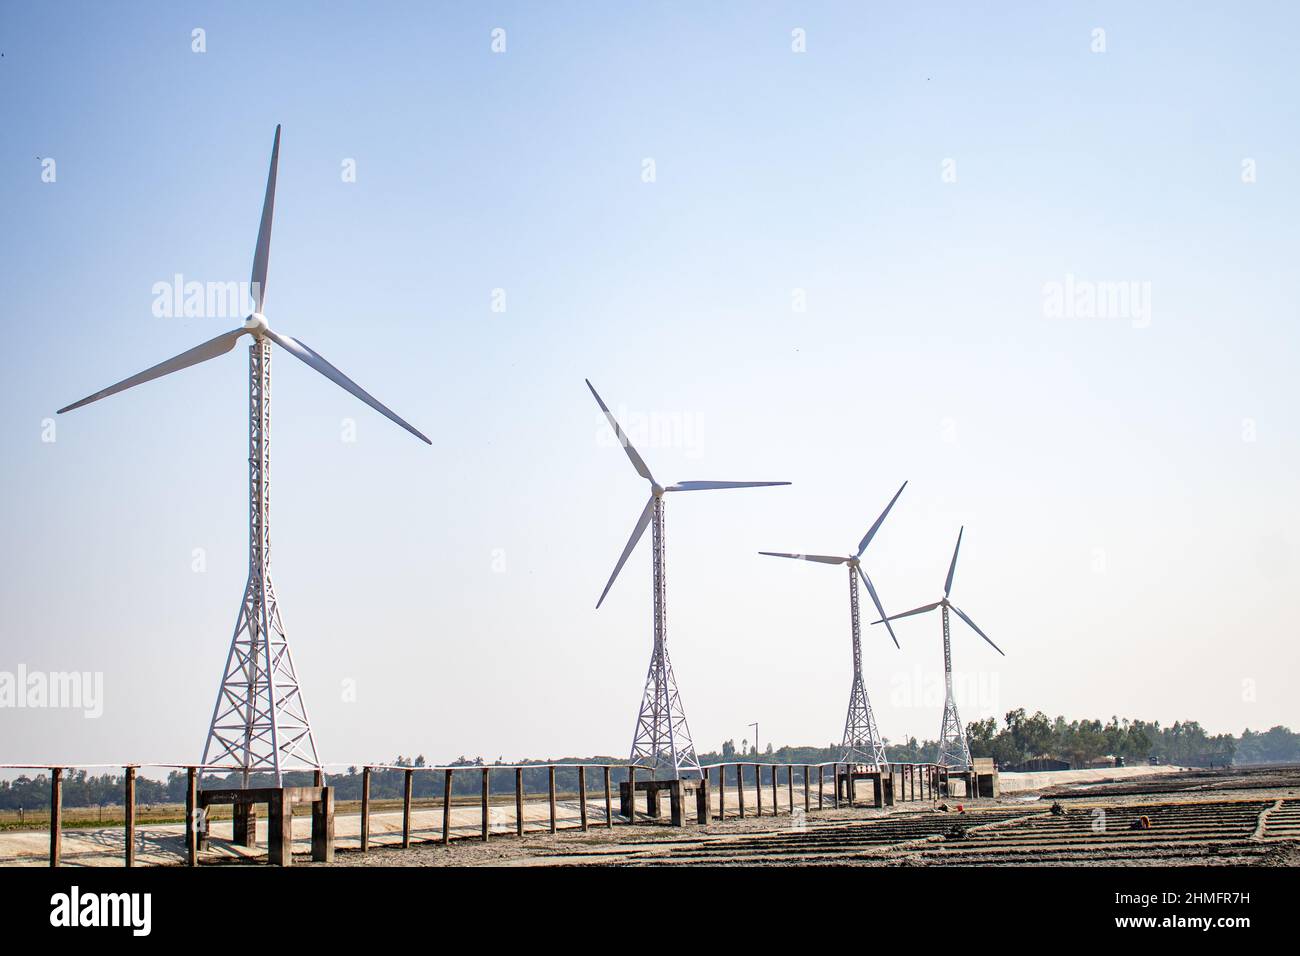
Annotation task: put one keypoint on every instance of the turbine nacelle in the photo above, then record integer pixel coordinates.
(256, 323)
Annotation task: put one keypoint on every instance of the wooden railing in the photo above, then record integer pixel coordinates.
(909, 782)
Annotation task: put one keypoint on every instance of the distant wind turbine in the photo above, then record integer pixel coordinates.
(662, 740)
(953, 750)
(862, 740)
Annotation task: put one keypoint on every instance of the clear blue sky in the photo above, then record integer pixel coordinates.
(1126, 547)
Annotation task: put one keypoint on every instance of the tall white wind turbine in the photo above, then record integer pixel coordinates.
(953, 750)
(259, 723)
(662, 740)
(862, 741)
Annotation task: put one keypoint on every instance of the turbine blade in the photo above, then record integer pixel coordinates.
(947, 585)
(200, 353)
(714, 485)
(262, 256)
(875, 599)
(871, 532)
(919, 610)
(636, 460)
(962, 614)
(639, 530)
(819, 558)
(308, 356)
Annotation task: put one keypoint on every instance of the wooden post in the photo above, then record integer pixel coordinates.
(806, 805)
(631, 790)
(551, 785)
(821, 784)
(722, 792)
(365, 809)
(446, 807)
(789, 786)
(609, 803)
(406, 809)
(519, 801)
(191, 806)
(582, 795)
(758, 790)
(318, 778)
(56, 815)
(487, 813)
(835, 789)
(773, 789)
(740, 788)
(130, 816)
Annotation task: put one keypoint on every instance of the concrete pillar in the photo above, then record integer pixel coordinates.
(322, 826)
(245, 823)
(675, 803)
(280, 825)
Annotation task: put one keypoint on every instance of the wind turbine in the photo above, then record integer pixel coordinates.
(862, 741)
(259, 721)
(953, 751)
(662, 739)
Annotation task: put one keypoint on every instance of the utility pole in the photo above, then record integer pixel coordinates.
(755, 726)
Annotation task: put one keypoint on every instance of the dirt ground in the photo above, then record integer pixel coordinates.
(1242, 818)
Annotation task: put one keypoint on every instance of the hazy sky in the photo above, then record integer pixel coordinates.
(842, 275)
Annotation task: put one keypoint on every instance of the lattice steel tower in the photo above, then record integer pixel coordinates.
(953, 751)
(662, 739)
(862, 741)
(259, 723)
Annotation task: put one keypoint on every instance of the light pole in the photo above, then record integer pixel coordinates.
(755, 726)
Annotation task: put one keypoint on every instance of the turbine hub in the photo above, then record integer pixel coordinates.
(256, 323)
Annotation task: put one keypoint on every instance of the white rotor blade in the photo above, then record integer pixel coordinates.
(200, 353)
(714, 485)
(636, 460)
(875, 599)
(819, 558)
(316, 361)
(962, 614)
(919, 610)
(947, 585)
(871, 532)
(262, 255)
(639, 530)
